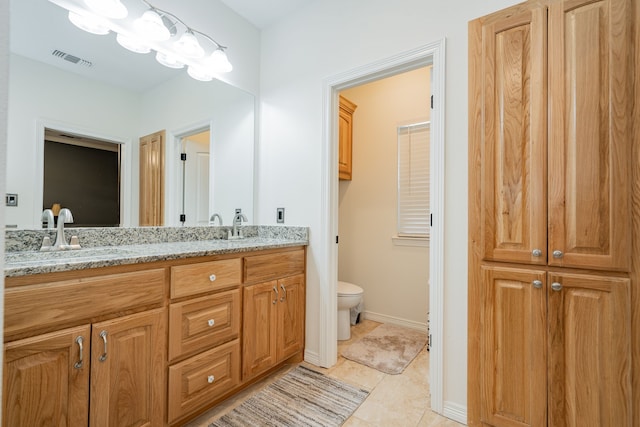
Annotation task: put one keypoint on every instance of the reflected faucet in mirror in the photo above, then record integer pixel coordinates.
(64, 217)
(212, 220)
(47, 216)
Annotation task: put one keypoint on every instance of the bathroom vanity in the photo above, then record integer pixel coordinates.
(152, 333)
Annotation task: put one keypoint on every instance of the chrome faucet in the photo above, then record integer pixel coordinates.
(212, 220)
(236, 232)
(47, 216)
(64, 216)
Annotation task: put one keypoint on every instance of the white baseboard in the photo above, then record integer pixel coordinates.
(383, 318)
(455, 411)
(312, 357)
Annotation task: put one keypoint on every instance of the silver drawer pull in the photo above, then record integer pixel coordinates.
(284, 293)
(556, 286)
(275, 301)
(78, 364)
(537, 284)
(558, 254)
(210, 379)
(103, 356)
(212, 278)
(211, 322)
(536, 252)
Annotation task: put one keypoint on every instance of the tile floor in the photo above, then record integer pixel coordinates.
(394, 400)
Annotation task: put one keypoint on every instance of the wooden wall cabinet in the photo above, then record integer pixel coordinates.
(551, 196)
(345, 137)
(75, 375)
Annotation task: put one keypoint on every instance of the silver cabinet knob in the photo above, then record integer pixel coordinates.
(210, 379)
(537, 284)
(556, 286)
(211, 322)
(558, 254)
(212, 278)
(536, 252)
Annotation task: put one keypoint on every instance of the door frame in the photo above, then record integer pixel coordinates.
(429, 54)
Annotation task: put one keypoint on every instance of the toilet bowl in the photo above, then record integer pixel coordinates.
(349, 296)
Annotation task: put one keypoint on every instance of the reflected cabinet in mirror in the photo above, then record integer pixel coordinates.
(79, 86)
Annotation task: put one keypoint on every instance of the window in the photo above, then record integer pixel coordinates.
(413, 180)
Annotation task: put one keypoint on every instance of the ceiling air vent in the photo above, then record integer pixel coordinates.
(73, 59)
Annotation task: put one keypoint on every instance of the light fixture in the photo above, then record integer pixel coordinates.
(89, 23)
(108, 8)
(151, 26)
(133, 44)
(169, 60)
(188, 45)
(176, 44)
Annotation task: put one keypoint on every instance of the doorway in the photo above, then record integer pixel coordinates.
(195, 159)
(431, 54)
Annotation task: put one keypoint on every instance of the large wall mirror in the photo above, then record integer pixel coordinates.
(70, 82)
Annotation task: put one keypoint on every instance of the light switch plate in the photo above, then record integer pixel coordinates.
(280, 216)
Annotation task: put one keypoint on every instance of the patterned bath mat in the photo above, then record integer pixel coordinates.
(302, 397)
(388, 348)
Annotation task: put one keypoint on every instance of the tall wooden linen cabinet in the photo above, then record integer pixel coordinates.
(554, 215)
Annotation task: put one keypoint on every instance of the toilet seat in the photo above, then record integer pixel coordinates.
(346, 289)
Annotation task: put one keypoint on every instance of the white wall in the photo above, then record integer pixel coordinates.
(4, 87)
(330, 37)
(41, 92)
(394, 278)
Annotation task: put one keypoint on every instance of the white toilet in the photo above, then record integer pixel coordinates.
(349, 296)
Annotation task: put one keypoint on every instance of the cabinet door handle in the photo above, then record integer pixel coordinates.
(275, 301)
(78, 364)
(536, 252)
(284, 294)
(557, 254)
(103, 356)
(556, 286)
(537, 284)
(212, 278)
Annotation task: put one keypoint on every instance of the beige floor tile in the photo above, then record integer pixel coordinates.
(357, 374)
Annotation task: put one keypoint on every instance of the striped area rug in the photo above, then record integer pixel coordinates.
(302, 397)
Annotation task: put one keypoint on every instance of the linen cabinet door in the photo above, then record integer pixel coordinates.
(513, 347)
(589, 350)
(290, 316)
(590, 77)
(128, 380)
(46, 380)
(259, 328)
(512, 133)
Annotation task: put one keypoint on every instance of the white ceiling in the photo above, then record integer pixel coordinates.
(38, 27)
(262, 13)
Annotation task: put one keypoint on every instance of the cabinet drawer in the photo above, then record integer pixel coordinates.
(261, 268)
(194, 279)
(202, 378)
(51, 305)
(203, 322)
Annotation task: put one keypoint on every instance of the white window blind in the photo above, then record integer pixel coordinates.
(413, 180)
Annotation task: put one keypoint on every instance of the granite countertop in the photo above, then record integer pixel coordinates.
(27, 262)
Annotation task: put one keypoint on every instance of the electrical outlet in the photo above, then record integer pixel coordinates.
(12, 199)
(238, 210)
(280, 215)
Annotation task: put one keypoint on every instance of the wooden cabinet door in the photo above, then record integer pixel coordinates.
(128, 384)
(513, 347)
(44, 381)
(345, 137)
(290, 316)
(259, 328)
(510, 49)
(591, 82)
(590, 350)
(152, 179)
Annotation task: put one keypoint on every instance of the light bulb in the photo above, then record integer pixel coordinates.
(150, 26)
(189, 46)
(218, 62)
(133, 44)
(169, 60)
(89, 23)
(108, 8)
(199, 73)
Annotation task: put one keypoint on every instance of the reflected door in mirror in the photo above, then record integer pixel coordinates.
(152, 179)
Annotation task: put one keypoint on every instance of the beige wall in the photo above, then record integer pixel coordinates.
(394, 278)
